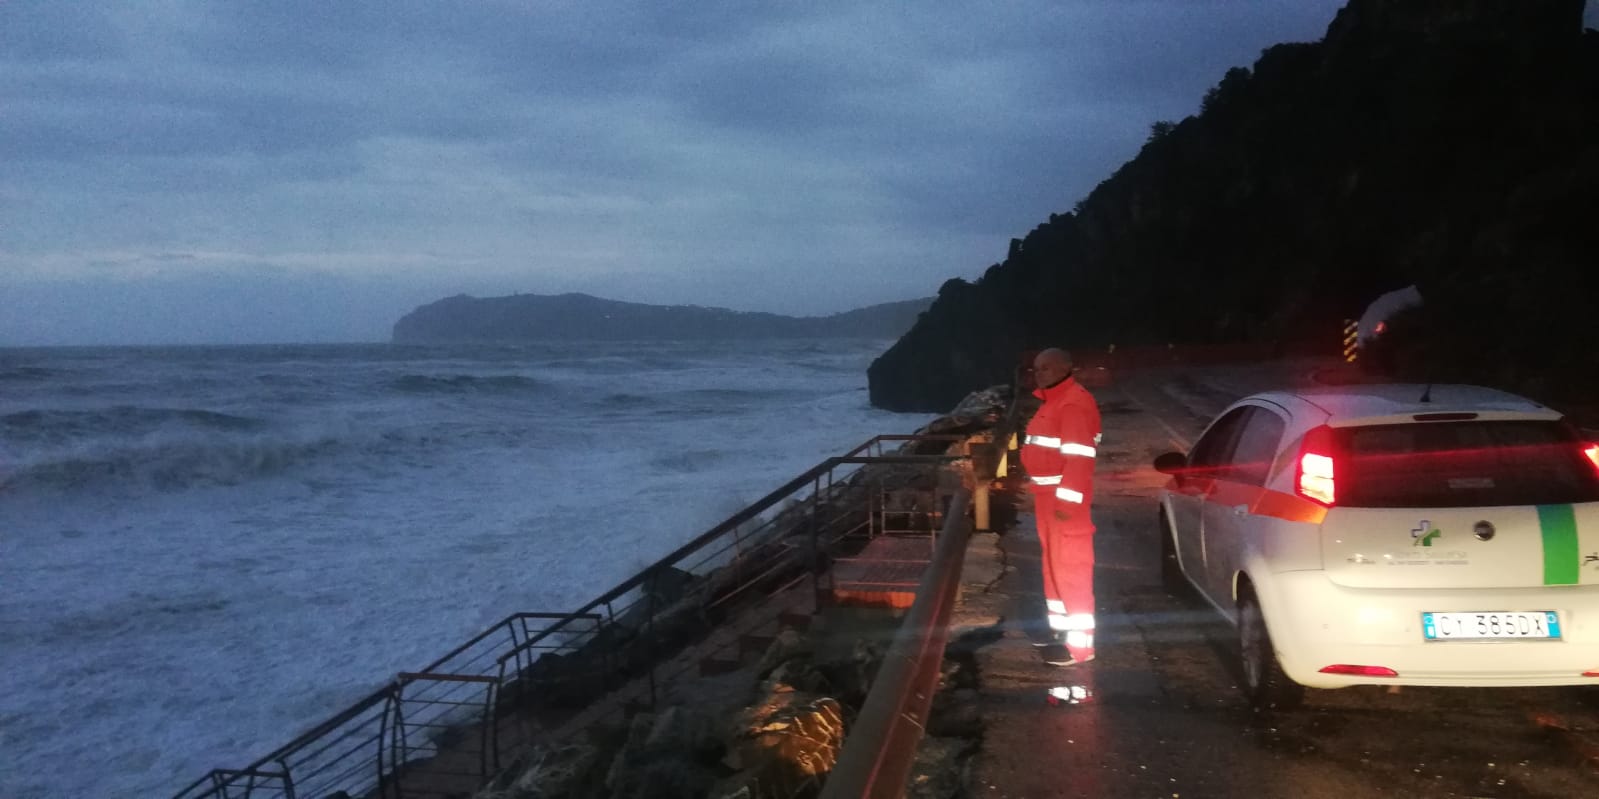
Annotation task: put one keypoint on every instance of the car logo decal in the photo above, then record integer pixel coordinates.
(1424, 534)
(1484, 530)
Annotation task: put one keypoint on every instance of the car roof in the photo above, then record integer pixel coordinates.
(1372, 401)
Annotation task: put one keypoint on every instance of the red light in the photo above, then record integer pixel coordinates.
(1381, 326)
(1592, 451)
(1360, 671)
(1313, 478)
(1591, 673)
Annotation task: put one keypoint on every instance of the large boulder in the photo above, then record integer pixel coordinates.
(784, 747)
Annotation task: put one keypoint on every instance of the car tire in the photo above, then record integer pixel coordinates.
(1265, 685)
(1171, 571)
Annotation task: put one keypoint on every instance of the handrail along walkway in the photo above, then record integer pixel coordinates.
(372, 747)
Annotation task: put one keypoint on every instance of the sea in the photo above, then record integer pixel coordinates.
(206, 550)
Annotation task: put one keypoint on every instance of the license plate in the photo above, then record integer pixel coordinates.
(1490, 625)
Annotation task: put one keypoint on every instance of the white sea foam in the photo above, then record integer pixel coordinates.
(216, 548)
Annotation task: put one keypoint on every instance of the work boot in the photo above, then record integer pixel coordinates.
(1056, 655)
(1039, 634)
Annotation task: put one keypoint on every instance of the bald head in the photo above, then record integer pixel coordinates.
(1051, 366)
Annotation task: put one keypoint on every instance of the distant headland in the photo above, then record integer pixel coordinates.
(542, 317)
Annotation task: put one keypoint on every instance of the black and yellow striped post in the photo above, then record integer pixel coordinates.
(1351, 332)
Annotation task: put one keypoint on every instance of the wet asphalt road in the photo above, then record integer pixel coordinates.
(1166, 718)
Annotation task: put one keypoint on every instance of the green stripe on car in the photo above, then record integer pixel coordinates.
(1561, 561)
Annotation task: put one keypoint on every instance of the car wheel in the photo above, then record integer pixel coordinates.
(1171, 571)
(1265, 685)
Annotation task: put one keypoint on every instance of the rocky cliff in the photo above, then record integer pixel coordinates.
(1450, 144)
(538, 317)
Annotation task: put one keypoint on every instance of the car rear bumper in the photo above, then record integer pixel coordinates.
(1315, 623)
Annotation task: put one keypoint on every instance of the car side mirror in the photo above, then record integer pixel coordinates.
(1172, 463)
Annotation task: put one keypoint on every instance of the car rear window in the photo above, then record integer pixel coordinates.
(1463, 464)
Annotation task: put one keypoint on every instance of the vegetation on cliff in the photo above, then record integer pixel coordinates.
(1451, 144)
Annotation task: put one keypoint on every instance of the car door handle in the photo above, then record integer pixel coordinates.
(1240, 510)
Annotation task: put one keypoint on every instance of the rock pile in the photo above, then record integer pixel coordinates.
(780, 743)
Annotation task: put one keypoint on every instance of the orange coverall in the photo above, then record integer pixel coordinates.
(1058, 453)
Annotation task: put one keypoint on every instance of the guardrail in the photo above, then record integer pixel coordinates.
(446, 728)
(877, 756)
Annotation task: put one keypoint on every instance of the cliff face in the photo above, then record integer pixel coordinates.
(536, 317)
(1451, 144)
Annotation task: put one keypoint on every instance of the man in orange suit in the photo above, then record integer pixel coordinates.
(1058, 453)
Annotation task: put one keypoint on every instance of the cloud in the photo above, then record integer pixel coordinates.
(790, 157)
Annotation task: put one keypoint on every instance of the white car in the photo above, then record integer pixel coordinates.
(1391, 534)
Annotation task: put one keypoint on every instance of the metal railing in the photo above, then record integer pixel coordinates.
(360, 749)
(447, 728)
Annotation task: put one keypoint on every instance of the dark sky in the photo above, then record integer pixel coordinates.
(178, 171)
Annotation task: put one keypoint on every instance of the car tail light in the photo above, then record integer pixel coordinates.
(1591, 673)
(1313, 475)
(1360, 671)
(1592, 451)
